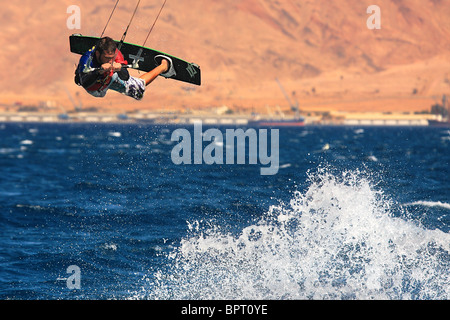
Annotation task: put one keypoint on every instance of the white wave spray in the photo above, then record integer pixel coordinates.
(339, 239)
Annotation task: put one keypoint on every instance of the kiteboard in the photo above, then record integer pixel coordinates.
(141, 58)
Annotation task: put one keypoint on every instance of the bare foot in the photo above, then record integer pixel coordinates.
(165, 64)
(152, 74)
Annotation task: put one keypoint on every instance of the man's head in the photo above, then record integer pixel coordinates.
(105, 50)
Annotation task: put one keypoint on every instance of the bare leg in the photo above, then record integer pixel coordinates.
(152, 74)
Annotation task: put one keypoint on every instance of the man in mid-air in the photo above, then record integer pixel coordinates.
(102, 68)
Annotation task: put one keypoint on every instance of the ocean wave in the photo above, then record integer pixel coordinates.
(339, 239)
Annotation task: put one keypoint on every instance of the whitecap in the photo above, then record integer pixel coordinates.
(372, 158)
(430, 204)
(115, 134)
(109, 246)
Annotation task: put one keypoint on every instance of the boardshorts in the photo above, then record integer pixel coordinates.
(133, 87)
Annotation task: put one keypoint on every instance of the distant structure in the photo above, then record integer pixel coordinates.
(297, 121)
(294, 105)
(444, 122)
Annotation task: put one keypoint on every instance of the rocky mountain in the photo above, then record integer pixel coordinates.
(322, 52)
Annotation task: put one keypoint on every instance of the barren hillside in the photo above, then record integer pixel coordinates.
(322, 50)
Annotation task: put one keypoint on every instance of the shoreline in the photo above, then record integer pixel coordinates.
(332, 118)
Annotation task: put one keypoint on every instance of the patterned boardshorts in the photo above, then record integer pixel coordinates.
(133, 87)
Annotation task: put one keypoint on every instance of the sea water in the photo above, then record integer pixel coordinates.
(353, 213)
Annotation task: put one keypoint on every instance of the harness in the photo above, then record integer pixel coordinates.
(88, 64)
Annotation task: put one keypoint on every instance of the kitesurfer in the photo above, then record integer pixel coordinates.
(103, 68)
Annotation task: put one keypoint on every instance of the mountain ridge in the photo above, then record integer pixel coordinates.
(321, 51)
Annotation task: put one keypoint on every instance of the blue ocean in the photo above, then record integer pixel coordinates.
(100, 211)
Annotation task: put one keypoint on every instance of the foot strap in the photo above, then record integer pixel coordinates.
(171, 71)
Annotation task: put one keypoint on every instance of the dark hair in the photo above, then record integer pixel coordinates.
(106, 44)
